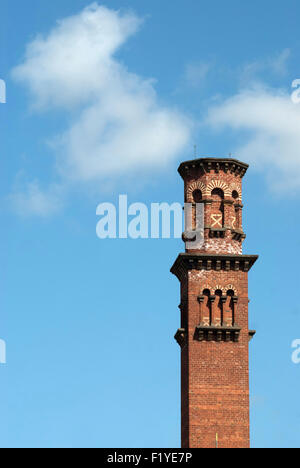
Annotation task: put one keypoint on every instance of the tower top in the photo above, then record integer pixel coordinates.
(233, 166)
(213, 187)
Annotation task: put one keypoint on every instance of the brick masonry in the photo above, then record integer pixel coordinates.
(214, 333)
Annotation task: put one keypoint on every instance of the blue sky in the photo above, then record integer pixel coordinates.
(89, 323)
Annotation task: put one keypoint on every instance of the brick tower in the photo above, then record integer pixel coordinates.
(214, 333)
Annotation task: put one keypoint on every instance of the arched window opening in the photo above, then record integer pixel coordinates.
(217, 215)
(197, 196)
(206, 314)
(217, 194)
(229, 309)
(218, 313)
(237, 211)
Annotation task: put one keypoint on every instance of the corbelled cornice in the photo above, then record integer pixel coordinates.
(217, 262)
(214, 164)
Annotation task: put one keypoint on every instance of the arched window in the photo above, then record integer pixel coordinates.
(237, 218)
(217, 215)
(197, 196)
(217, 194)
(228, 309)
(206, 310)
(218, 315)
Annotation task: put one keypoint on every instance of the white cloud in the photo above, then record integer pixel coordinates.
(279, 64)
(121, 134)
(118, 123)
(74, 62)
(271, 122)
(276, 65)
(31, 200)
